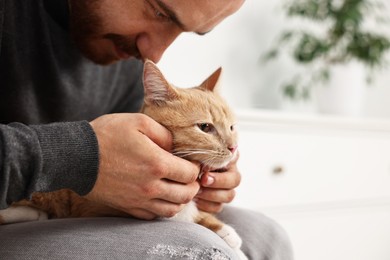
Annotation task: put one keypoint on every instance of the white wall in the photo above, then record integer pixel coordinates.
(237, 45)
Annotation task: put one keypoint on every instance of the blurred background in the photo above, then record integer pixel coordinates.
(239, 44)
(310, 83)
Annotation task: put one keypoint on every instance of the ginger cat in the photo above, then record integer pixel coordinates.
(202, 126)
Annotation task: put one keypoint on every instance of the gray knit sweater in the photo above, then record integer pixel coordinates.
(48, 93)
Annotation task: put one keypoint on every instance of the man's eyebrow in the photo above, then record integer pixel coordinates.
(168, 11)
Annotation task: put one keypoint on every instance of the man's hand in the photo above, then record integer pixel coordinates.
(137, 173)
(217, 188)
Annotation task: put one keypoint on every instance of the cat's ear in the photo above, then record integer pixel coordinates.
(212, 81)
(157, 89)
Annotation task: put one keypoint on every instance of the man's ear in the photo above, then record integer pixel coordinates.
(157, 89)
(212, 81)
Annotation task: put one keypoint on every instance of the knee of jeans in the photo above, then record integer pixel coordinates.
(262, 237)
(192, 241)
(273, 243)
(280, 237)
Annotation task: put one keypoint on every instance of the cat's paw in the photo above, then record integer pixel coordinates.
(16, 214)
(230, 236)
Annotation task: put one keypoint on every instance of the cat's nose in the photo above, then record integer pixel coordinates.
(232, 148)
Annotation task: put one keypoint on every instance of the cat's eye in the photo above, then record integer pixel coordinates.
(206, 127)
(232, 128)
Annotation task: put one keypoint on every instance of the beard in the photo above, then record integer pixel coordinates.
(86, 28)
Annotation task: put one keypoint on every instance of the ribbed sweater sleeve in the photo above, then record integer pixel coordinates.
(46, 158)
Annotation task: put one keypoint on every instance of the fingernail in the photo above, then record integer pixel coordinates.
(209, 181)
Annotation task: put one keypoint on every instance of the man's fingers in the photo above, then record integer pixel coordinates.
(208, 206)
(179, 170)
(216, 195)
(221, 180)
(142, 214)
(171, 167)
(135, 160)
(164, 208)
(155, 132)
(179, 193)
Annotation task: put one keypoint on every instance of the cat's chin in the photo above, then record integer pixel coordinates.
(217, 166)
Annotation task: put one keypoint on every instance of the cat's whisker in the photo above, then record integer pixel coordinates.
(188, 153)
(215, 162)
(184, 153)
(212, 158)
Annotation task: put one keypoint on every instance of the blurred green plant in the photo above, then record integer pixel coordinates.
(344, 40)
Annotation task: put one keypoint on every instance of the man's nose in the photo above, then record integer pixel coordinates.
(162, 42)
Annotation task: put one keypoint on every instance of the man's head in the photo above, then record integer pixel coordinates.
(110, 30)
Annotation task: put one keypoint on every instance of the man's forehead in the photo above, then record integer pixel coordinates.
(200, 16)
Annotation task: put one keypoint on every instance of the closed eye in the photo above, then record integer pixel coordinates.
(159, 14)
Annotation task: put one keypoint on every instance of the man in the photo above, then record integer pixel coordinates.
(71, 84)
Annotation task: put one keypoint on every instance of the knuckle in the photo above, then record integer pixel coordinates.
(149, 217)
(172, 211)
(230, 196)
(187, 198)
(194, 176)
(237, 179)
(160, 170)
(149, 191)
(208, 206)
(216, 208)
(184, 196)
(195, 188)
(141, 214)
(170, 214)
(219, 208)
(142, 120)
